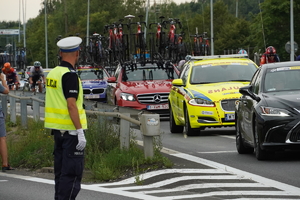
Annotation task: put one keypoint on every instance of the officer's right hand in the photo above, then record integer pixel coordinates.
(81, 140)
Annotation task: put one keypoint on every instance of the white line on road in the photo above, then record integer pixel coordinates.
(203, 152)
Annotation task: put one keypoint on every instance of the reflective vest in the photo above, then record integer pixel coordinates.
(56, 111)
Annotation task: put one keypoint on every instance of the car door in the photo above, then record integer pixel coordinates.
(181, 93)
(247, 109)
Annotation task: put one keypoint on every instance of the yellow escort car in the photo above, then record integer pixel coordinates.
(205, 94)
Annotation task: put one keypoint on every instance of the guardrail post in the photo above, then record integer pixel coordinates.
(24, 112)
(124, 132)
(4, 104)
(150, 127)
(36, 110)
(12, 102)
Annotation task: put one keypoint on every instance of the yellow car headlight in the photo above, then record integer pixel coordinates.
(201, 102)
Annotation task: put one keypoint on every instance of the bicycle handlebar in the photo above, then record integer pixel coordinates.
(154, 23)
(138, 23)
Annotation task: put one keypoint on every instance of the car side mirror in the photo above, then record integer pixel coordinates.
(247, 91)
(112, 79)
(177, 82)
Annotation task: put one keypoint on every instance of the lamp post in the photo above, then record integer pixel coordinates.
(212, 27)
(292, 33)
(46, 34)
(88, 23)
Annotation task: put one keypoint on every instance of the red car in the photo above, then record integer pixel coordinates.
(143, 87)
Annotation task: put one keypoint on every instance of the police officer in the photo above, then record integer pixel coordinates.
(64, 114)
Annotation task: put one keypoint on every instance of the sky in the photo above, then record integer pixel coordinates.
(9, 9)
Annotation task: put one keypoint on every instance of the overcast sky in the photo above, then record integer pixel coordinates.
(9, 9)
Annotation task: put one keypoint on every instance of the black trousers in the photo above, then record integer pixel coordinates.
(68, 166)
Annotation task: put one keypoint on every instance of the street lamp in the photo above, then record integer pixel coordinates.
(212, 27)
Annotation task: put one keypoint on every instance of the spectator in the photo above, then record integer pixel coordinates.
(3, 147)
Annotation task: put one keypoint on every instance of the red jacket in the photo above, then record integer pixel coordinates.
(265, 59)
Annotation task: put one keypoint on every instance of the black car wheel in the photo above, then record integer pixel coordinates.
(259, 152)
(240, 146)
(189, 131)
(173, 127)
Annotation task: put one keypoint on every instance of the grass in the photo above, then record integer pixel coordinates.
(32, 148)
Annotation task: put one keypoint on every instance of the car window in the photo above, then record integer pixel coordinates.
(256, 81)
(92, 74)
(185, 73)
(141, 74)
(213, 73)
(282, 79)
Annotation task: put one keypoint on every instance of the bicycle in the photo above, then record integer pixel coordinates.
(207, 45)
(139, 41)
(157, 44)
(181, 50)
(171, 40)
(121, 42)
(198, 46)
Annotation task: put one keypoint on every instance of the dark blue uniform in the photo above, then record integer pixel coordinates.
(68, 162)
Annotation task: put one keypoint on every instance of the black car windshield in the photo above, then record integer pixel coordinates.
(282, 79)
(91, 74)
(214, 73)
(143, 74)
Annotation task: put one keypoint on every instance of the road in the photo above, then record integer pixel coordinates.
(206, 167)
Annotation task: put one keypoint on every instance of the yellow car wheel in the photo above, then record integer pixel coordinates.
(188, 129)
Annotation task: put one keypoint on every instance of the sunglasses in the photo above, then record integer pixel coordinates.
(36, 67)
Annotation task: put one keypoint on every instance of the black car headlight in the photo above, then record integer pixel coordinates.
(127, 97)
(201, 102)
(274, 111)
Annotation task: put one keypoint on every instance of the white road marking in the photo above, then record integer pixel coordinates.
(203, 152)
(206, 185)
(227, 136)
(281, 186)
(218, 172)
(227, 193)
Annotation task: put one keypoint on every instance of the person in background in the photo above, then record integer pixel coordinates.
(298, 58)
(36, 76)
(270, 56)
(65, 116)
(3, 147)
(11, 76)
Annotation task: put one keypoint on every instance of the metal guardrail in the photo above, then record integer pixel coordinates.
(147, 122)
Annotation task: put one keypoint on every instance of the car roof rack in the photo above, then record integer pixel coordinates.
(216, 56)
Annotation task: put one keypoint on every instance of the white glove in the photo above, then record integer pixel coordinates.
(81, 140)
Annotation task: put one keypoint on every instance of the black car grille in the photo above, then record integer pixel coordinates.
(228, 104)
(295, 134)
(94, 91)
(153, 98)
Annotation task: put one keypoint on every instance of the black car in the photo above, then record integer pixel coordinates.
(268, 112)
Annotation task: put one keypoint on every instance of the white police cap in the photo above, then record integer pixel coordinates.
(69, 44)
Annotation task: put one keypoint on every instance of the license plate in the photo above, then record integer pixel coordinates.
(92, 96)
(229, 117)
(158, 107)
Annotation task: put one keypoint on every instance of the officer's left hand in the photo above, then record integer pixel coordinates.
(81, 140)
